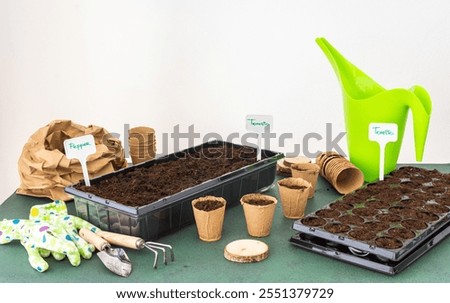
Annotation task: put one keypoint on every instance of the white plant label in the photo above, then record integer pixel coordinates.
(80, 148)
(259, 124)
(383, 133)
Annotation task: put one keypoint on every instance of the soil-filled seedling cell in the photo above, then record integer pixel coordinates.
(377, 204)
(401, 232)
(362, 234)
(388, 218)
(365, 212)
(341, 206)
(313, 221)
(351, 219)
(328, 213)
(388, 242)
(337, 228)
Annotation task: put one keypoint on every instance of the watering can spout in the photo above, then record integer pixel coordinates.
(420, 105)
(354, 82)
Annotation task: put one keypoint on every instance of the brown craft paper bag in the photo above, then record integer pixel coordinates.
(44, 169)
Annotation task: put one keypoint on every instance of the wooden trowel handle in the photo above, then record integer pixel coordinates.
(122, 240)
(90, 237)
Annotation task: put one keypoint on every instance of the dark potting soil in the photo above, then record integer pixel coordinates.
(328, 213)
(443, 201)
(362, 234)
(144, 185)
(389, 218)
(341, 206)
(208, 205)
(405, 212)
(412, 202)
(365, 211)
(414, 224)
(336, 228)
(354, 198)
(377, 204)
(427, 216)
(313, 221)
(261, 202)
(388, 242)
(350, 219)
(293, 186)
(375, 225)
(436, 208)
(388, 196)
(402, 233)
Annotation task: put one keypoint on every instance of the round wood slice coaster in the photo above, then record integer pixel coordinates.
(246, 251)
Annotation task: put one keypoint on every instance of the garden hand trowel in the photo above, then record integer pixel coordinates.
(115, 259)
(138, 243)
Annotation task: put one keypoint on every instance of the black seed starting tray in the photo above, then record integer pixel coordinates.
(369, 261)
(172, 212)
(385, 222)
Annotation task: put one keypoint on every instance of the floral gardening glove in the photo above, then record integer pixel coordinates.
(56, 214)
(39, 239)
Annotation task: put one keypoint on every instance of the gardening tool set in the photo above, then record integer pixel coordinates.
(51, 230)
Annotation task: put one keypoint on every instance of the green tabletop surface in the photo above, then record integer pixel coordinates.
(198, 261)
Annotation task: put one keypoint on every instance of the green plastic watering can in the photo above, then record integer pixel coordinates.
(366, 102)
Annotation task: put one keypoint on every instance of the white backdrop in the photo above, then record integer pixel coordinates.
(209, 63)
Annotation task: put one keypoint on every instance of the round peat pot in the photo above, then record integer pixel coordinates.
(259, 211)
(209, 213)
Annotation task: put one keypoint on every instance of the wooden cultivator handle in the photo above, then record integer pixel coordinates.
(122, 240)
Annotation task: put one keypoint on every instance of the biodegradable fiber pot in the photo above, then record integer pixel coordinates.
(142, 154)
(142, 144)
(341, 173)
(209, 213)
(294, 196)
(308, 172)
(259, 211)
(141, 135)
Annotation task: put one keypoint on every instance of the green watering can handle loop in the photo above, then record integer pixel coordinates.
(420, 104)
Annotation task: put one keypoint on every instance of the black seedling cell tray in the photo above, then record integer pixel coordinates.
(387, 220)
(368, 261)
